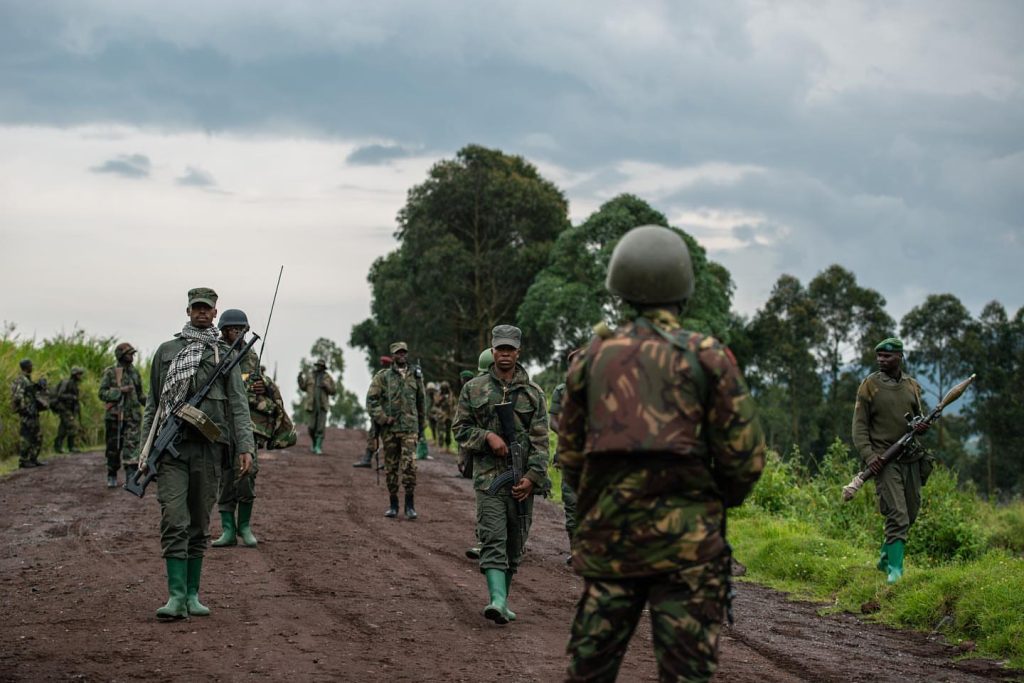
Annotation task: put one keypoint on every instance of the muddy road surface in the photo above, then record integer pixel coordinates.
(336, 592)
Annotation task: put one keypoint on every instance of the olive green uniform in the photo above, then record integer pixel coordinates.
(319, 387)
(125, 407)
(187, 486)
(235, 489)
(67, 407)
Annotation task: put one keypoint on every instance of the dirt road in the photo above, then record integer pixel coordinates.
(336, 592)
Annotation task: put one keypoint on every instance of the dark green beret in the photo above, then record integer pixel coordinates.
(891, 344)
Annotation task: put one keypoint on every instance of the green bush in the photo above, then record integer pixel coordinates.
(946, 528)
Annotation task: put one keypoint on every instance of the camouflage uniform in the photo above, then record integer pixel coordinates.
(441, 412)
(658, 436)
(568, 494)
(126, 407)
(497, 521)
(319, 387)
(398, 394)
(28, 399)
(67, 407)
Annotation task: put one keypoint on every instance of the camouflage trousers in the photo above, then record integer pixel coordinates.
(31, 440)
(400, 458)
(898, 488)
(67, 431)
(235, 489)
(569, 503)
(497, 530)
(686, 609)
(128, 453)
(443, 435)
(372, 439)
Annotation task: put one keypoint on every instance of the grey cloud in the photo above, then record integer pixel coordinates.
(196, 177)
(371, 155)
(126, 165)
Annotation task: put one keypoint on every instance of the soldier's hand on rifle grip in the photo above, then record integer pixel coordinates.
(921, 427)
(876, 465)
(497, 445)
(244, 464)
(523, 489)
(259, 387)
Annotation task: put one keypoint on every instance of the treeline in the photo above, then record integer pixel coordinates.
(487, 240)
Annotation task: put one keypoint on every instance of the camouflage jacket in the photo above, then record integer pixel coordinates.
(403, 398)
(65, 400)
(878, 416)
(225, 404)
(110, 391)
(555, 411)
(443, 406)
(475, 417)
(28, 398)
(319, 387)
(658, 434)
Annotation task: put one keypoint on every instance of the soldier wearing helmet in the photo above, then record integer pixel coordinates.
(658, 436)
(67, 407)
(28, 399)
(122, 395)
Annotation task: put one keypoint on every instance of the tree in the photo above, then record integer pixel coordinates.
(472, 238)
(569, 297)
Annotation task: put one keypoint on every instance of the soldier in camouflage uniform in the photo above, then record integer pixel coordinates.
(187, 485)
(319, 387)
(500, 531)
(121, 391)
(397, 404)
(465, 461)
(442, 412)
(67, 407)
(568, 494)
(883, 399)
(28, 399)
(658, 437)
(373, 433)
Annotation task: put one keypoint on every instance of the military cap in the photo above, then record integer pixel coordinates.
(891, 344)
(202, 295)
(25, 363)
(506, 335)
(399, 346)
(385, 360)
(320, 361)
(122, 349)
(77, 371)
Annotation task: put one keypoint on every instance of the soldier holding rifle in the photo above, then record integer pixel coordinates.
(28, 399)
(501, 421)
(67, 407)
(187, 483)
(319, 387)
(121, 392)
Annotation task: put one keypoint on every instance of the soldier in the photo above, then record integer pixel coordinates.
(500, 530)
(187, 485)
(69, 410)
(319, 387)
(396, 402)
(121, 390)
(658, 436)
(240, 491)
(431, 391)
(28, 399)
(465, 461)
(373, 433)
(442, 410)
(568, 494)
(883, 401)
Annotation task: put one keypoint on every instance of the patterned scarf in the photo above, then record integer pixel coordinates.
(184, 365)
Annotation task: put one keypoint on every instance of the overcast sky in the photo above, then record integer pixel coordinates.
(149, 147)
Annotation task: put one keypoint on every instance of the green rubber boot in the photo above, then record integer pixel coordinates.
(883, 559)
(422, 452)
(495, 611)
(318, 445)
(508, 589)
(177, 578)
(244, 530)
(895, 561)
(195, 572)
(227, 534)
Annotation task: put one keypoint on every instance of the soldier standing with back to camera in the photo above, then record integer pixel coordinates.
(121, 390)
(502, 529)
(187, 485)
(658, 436)
(67, 407)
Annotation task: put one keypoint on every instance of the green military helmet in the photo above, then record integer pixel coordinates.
(233, 317)
(651, 265)
(485, 361)
(77, 371)
(122, 350)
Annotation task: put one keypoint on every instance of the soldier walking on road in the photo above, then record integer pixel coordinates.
(465, 458)
(658, 436)
(319, 387)
(28, 399)
(373, 433)
(239, 490)
(884, 400)
(396, 402)
(121, 391)
(187, 485)
(68, 408)
(442, 411)
(568, 494)
(502, 529)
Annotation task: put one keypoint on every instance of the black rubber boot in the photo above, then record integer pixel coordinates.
(410, 510)
(365, 462)
(392, 510)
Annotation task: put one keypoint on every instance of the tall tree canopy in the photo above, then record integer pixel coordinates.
(472, 238)
(568, 297)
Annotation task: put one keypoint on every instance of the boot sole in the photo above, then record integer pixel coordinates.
(171, 617)
(495, 615)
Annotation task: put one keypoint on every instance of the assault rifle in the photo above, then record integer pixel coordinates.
(185, 413)
(516, 466)
(895, 450)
